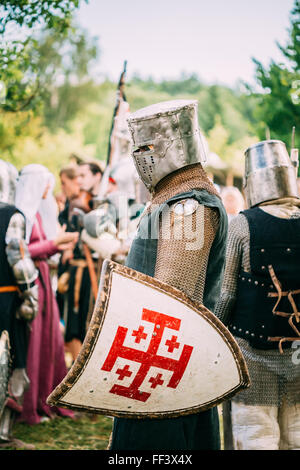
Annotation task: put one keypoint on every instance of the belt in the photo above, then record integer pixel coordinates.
(80, 263)
(9, 289)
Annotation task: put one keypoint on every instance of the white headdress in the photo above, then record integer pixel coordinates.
(33, 181)
(8, 180)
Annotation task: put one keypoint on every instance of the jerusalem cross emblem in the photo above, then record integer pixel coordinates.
(149, 358)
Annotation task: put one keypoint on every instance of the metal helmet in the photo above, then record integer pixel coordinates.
(269, 173)
(8, 181)
(166, 137)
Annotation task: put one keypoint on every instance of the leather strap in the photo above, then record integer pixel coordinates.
(92, 271)
(9, 289)
(289, 294)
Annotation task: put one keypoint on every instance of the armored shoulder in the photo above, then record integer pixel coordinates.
(185, 207)
(17, 252)
(184, 244)
(16, 228)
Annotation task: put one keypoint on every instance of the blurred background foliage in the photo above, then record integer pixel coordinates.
(53, 104)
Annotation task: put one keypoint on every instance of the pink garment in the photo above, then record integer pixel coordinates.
(46, 365)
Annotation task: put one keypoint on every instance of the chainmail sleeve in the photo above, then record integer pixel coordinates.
(184, 245)
(237, 255)
(22, 266)
(17, 253)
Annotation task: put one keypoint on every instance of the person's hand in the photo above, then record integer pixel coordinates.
(66, 247)
(123, 250)
(67, 255)
(66, 240)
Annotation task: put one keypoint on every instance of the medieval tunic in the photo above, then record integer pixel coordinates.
(9, 301)
(46, 365)
(197, 271)
(77, 300)
(74, 304)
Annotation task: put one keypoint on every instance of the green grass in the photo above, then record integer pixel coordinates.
(66, 434)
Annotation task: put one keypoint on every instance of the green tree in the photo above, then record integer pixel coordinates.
(64, 64)
(231, 152)
(278, 106)
(19, 22)
(56, 14)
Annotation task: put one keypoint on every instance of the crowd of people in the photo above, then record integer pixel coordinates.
(49, 278)
(52, 248)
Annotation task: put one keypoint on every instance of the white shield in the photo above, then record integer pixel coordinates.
(150, 352)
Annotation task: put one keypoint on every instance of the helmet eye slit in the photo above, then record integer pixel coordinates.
(143, 149)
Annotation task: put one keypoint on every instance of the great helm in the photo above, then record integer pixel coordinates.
(269, 173)
(166, 137)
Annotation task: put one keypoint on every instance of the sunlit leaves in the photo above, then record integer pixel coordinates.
(19, 22)
(278, 107)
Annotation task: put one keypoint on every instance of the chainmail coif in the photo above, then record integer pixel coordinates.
(181, 181)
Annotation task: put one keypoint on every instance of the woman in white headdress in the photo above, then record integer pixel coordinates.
(46, 365)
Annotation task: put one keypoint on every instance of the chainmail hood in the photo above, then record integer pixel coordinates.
(181, 181)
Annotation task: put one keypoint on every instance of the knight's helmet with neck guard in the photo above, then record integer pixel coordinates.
(166, 137)
(270, 173)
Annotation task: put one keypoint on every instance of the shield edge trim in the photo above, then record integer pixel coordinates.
(4, 336)
(97, 320)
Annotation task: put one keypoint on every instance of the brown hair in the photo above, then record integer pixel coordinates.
(94, 168)
(69, 171)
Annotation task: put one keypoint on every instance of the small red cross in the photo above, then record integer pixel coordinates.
(156, 381)
(172, 343)
(125, 372)
(139, 334)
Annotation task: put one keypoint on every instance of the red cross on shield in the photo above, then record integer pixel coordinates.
(150, 352)
(149, 358)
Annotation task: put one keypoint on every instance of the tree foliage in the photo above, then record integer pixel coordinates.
(19, 22)
(55, 14)
(63, 65)
(278, 105)
(54, 107)
(76, 117)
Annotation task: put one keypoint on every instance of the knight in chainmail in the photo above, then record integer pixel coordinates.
(18, 304)
(180, 240)
(260, 301)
